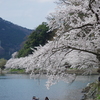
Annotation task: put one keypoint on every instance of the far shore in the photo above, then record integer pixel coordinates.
(14, 72)
(80, 72)
(69, 71)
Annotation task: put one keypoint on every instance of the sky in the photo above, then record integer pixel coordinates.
(26, 13)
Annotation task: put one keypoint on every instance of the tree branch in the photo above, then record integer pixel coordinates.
(83, 50)
(65, 2)
(90, 3)
(83, 26)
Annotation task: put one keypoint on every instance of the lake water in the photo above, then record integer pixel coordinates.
(21, 87)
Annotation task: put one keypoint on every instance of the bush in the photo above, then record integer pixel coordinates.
(2, 63)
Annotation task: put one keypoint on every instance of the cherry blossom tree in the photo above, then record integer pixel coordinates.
(77, 25)
(76, 43)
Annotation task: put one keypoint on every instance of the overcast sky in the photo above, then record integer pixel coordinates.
(26, 13)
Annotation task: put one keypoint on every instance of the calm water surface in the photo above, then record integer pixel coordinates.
(21, 87)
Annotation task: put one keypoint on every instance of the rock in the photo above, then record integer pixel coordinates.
(83, 97)
(86, 89)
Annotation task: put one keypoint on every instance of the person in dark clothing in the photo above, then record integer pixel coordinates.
(46, 98)
(34, 98)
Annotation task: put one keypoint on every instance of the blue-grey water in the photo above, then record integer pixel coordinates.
(21, 87)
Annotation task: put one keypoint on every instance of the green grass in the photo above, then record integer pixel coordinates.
(18, 70)
(98, 97)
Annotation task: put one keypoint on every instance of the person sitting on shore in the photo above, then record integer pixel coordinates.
(34, 98)
(46, 98)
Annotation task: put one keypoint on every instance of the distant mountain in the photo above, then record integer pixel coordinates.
(11, 38)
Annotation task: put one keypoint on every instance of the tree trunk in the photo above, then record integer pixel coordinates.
(98, 57)
(0, 71)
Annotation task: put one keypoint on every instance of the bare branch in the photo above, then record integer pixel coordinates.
(90, 6)
(83, 50)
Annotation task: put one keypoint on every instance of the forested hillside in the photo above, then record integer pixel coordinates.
(11, 38)
(39, 36)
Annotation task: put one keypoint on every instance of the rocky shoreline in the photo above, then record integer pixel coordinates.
(91, 91)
